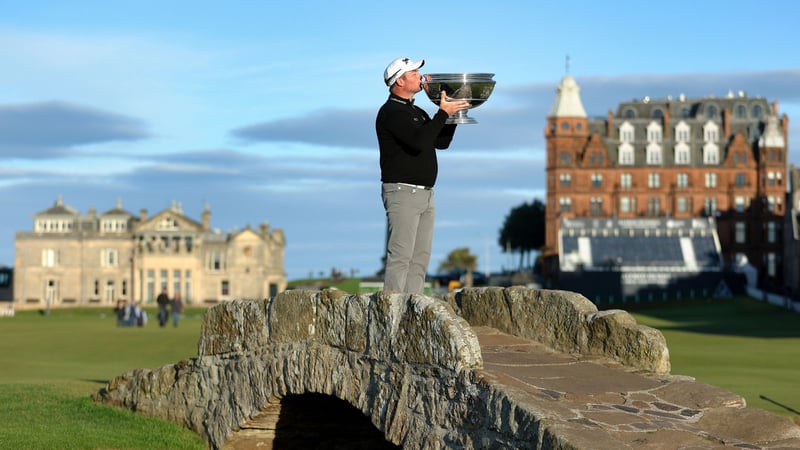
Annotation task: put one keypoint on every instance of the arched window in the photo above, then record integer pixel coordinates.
(658, 113)
(741, 112)
(758, 111)
(629, 113)
(712, 112)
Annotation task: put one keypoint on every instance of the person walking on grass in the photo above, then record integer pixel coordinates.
(177, 308)
(163, 303)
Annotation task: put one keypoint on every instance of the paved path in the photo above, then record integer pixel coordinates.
(601, 405)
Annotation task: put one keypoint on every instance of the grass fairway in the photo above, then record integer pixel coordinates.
(745, 346)
(50, 365)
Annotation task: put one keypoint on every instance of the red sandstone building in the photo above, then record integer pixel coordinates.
(720, 159)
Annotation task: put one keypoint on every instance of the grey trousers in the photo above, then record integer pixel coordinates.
(410, 212)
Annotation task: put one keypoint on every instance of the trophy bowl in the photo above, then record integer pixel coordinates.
(475, 88)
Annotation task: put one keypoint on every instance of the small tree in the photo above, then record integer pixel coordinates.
(462, 259)
(459, 258)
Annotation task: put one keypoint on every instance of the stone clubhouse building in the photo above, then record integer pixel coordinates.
(74, 259)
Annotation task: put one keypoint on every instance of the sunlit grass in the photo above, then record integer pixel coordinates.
(745, 346)
(52, 364)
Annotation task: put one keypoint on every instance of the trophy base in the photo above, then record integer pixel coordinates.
(459, 118)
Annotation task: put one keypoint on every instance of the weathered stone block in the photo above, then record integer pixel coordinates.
(615, 333)
(292, 316)
(566, 321)
(234, 327)
(330, 318)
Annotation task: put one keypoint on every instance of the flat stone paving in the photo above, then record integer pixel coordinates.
(597, 404)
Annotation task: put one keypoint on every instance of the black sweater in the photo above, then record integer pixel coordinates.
(408, 139)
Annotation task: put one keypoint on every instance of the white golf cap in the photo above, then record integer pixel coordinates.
(398, 67)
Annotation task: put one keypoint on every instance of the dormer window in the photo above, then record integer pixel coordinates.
(710, 153)
(653, 153)
(710, 132)
(757, 111)
(626, 133)
(654, 133)
(710, 148)
(682, 132)
(741, 112)
(113, 225)
(682, 153)
(626, 137)
(712, 112)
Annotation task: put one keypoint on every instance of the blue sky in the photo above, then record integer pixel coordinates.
(265, 110)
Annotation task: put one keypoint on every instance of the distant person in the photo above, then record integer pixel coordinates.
(120, 312)
(408, 139)
(163, 303)
(177, 308)
(140, 314)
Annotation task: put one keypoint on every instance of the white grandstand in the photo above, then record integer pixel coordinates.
(604, 258)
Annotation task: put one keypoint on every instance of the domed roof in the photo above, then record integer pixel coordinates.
(568, 100)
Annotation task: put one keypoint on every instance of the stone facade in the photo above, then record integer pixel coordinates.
(71, 259)
(722, 157)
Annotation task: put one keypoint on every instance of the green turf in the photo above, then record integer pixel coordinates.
(745, 346)
(50, 365)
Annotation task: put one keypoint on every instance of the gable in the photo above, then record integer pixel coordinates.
(169, 220)
(246, 236)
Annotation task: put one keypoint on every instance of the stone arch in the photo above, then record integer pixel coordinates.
(306, 420)
(403, 360)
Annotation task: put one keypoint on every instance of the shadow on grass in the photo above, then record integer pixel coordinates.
(734, 317)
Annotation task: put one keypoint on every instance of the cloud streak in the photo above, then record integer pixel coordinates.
(50, 129)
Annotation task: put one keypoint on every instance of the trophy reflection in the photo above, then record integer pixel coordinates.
(475, 88)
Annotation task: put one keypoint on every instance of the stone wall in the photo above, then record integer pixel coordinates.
(567, 322)
(409, 363)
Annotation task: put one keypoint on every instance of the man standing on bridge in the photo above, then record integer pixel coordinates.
(408, 139)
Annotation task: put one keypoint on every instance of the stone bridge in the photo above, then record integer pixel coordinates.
(490, 368)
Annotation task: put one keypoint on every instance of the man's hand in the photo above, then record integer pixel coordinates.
(452, 107)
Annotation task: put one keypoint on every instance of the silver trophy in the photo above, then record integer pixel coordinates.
(472, 87)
